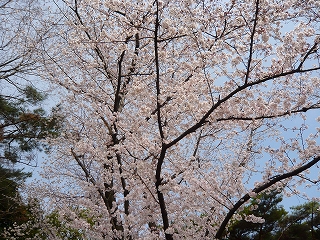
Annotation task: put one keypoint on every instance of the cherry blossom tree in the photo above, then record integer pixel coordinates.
(178, 112)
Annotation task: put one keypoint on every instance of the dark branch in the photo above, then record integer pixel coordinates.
(157, 25)
(304, 109)
(162, 204)
(119, 96)
(220, 101)
(263, 187)
(312, 50)
(255, 21)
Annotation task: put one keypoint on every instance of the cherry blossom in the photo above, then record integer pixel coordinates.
(178, 112)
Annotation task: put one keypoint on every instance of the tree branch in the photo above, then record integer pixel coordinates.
(157, 25)
(252, 41)
(203, 120)
(303, 109)
(162, 204)
(263, 187)
(119, 96)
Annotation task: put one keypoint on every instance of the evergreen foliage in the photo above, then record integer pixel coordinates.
(303, 222)
(22, 126)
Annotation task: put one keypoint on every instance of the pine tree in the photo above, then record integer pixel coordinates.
(23, 123)
(21, 131)
(302, 223)
(266, 207)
